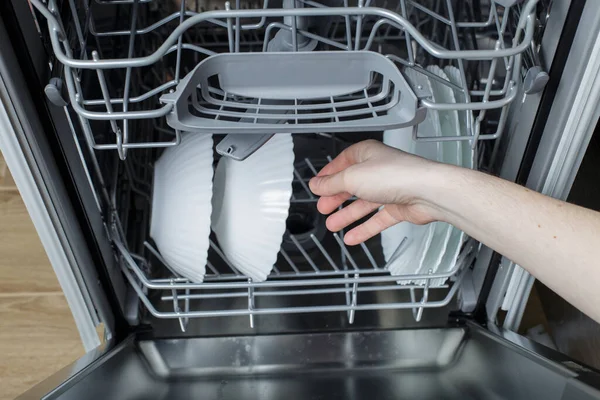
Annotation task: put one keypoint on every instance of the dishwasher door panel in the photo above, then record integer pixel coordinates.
(450, 363)
(566, 128)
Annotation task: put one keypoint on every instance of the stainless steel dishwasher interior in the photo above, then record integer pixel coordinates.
(318, 283)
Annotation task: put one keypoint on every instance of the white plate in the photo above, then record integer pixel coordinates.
(450, 155)
(251, 203)
(457, 236)
(409, 260)
(181, 205)
(453, 74)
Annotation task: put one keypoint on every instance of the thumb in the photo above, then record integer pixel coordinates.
(328, 185)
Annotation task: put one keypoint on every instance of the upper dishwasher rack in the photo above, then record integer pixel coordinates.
(486, 47)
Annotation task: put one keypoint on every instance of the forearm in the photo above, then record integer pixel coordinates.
(558, 243)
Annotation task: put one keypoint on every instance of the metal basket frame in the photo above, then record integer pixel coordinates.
(340, 273)
(477, 101)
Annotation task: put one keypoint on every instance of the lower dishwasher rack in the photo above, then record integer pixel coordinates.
(315, 273)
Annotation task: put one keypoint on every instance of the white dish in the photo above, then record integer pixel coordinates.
(450, 154)
(418, 237)
(181, 205)
(453, 74)
(457, 236)
(251, 203)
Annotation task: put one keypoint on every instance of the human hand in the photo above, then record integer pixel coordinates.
(378, 175)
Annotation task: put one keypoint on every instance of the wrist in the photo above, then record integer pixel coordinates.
(441, 188)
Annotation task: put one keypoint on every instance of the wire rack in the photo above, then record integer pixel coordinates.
(411, 34)
(116, 75)
(308, 266)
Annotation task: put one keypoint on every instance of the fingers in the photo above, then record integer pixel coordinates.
(374, 225)
(328, 204)
(330, 185)
(349, 156)
(345, 159)
(349, 214)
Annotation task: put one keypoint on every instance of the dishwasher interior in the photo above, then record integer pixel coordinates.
(123, 58)
(330, 321)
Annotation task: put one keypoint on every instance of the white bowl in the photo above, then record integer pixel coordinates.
(181, 205)
(251, 203)
(408, 261)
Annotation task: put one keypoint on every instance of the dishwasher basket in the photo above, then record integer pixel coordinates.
(173, 67)
(488, 41)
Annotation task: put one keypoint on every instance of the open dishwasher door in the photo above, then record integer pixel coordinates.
(449, 363)
(466, 362)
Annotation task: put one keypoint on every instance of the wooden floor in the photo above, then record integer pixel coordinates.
(37, 332)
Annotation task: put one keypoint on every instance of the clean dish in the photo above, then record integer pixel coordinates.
(450, 154)
(457, 236)
(181, 205)
(251, 204)
(409, 260)
(453, 74)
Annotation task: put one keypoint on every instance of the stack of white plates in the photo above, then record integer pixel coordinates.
(405, 244)
(181, 205)
(251, 204)
(431, 248)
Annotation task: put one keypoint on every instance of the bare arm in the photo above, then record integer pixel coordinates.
(557, 242)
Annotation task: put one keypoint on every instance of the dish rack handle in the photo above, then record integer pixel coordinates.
(250, 93)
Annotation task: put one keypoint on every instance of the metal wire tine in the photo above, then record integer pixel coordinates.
(289, 261)
(413, 299)
(212, 268)
(220, 253)
(229, 29)
(345, 250)
(354, 301)
(296, 111)
(324, 252)
(237, 28)
(109, 109)
(425, 298)
(295, 31)
(186, 306)
(179, 43)
(127, 90)
(311, 166)
(304, 185)
(369, 255)
(276, 270)
(78, 30)
(359, 20)
(399, 250)
(304, 253)
(251, 303)
(177, 310)
(348, 28)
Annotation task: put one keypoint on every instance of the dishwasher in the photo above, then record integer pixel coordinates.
(94, 91)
